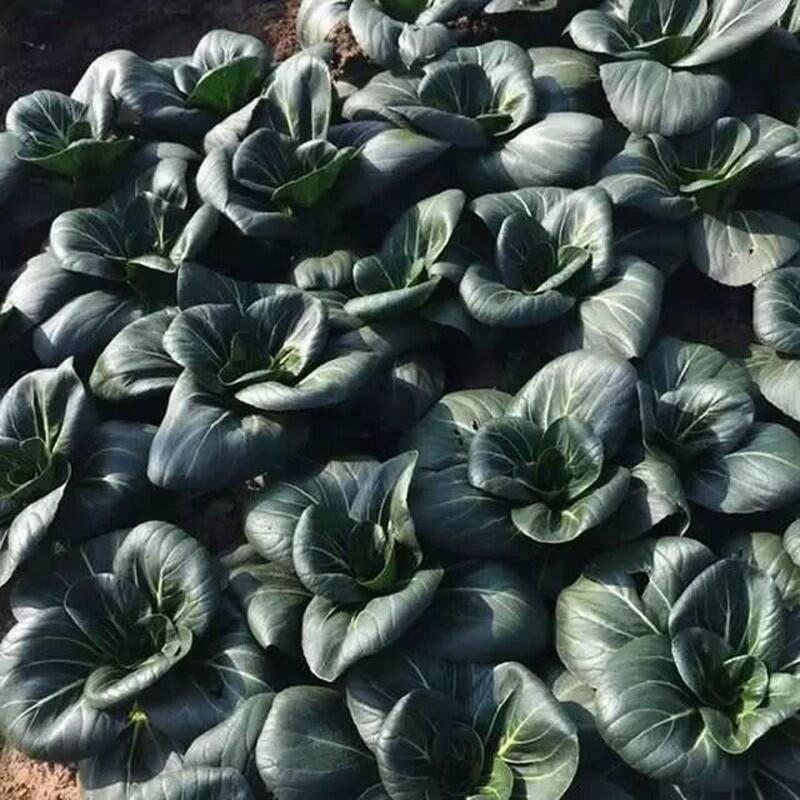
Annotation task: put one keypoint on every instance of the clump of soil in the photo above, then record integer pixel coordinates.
(280, 31)
(24, 779)
(474, 30)
(349, 59)
(348, 56)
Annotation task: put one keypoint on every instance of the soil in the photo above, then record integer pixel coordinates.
(348, 56)
(24, 779)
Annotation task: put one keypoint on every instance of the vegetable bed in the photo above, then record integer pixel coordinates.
(400, 401)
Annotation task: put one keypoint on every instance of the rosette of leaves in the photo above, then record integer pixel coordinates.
(153, 225)
(250, 378)
(135, 364)
(483, 102)
(468, 96)
(346, 575)
(517, 473)
(182, 98)
(476, 611)
(55, 150)
(330, 275)
(774, 361)
(111, 265)
(698, 417)
(662, 73)
(405, 274)
(701, 179)
(281, 169)
(63, 473)
(438, 729)
(65, 137)
(692, 657)
(554, 259)
(129, 635)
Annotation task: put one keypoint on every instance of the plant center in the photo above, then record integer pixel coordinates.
(458, 757)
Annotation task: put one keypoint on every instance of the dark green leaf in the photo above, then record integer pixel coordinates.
(309, 747)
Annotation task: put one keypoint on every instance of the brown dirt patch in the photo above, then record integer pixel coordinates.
(24, 779)
(279, 28)
(348, 56)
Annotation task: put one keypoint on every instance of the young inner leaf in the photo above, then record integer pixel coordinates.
(248, 363)
(458, 756)
(375, 556)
